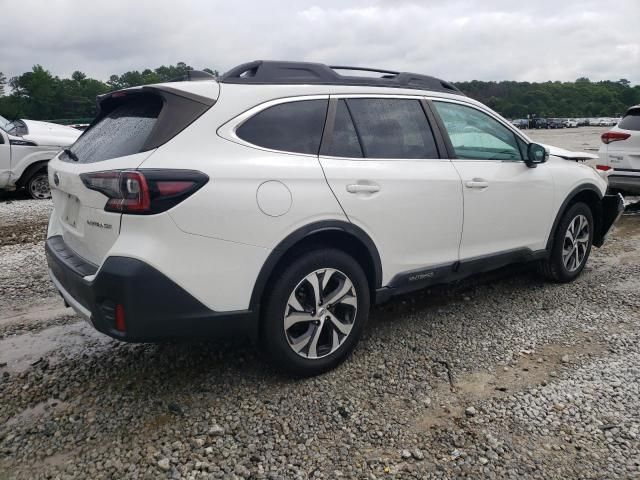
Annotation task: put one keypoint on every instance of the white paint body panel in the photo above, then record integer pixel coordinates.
(415, 219)
(514, 211)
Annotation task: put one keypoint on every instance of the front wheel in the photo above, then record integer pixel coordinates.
(38, 185)
(571, 245)
(315, 312)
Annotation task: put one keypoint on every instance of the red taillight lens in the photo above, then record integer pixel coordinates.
(608, 137)
(604, 168)
(144, 192)
(121, 325)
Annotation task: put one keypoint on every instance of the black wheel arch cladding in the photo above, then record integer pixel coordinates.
(307, 234)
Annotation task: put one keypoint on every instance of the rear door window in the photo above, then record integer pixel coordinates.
(124, 131)
(289, 127)
(631, 121)
(386, 128)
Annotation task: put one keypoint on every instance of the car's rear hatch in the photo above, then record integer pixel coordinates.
(623, 148)
(130, 126)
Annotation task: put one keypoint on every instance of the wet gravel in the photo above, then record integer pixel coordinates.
(500, 376)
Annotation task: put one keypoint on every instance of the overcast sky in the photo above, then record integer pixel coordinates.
(534, 40)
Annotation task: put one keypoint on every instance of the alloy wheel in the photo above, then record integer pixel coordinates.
(320, 313)
(576, 243)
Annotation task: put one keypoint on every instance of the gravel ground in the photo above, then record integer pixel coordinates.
(500, 376)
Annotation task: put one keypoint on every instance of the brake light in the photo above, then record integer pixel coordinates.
(144, 192)
(121, 326)
(604, 168)
(608, 137)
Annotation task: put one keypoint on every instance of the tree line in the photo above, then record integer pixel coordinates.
(39, 95)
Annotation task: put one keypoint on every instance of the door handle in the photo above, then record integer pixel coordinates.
(477, 183)
(362, 188)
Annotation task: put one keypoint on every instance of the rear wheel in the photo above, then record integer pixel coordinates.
(315, 312)
(571, 245)
(38, 185)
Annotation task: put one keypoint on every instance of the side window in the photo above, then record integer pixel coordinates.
(344, 141)
(290, 127)
(477, 136)
(385, 128)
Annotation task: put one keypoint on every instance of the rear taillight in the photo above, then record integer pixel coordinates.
(608, 137)
(604, 168)
(144, 192)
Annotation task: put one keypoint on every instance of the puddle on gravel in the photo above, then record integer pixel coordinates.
(19, 352)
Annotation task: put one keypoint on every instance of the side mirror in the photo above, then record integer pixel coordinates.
(536, 154)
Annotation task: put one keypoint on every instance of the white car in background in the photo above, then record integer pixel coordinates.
(620, 153)
(26, 146)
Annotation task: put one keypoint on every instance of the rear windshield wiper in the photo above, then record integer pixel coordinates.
(70, 154)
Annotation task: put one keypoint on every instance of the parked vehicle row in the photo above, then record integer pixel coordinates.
(25, 148)
(540, 122)
(282, 205)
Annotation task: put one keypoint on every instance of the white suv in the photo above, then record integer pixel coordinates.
(620, 153)
(283, 199)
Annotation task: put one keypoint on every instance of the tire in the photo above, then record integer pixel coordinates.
(38, 185)
(568, 257)
(305, 337)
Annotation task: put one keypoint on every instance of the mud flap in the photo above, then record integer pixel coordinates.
(612, 208)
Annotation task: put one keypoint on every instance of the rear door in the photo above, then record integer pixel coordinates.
(383, 164)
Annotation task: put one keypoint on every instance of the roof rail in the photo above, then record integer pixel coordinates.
(193, 76)
(265, 72)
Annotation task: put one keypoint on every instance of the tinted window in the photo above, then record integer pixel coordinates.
(631, 120)
(122, 132)
(344, 141)
(476, 135)
(392, 128)
(290, 127)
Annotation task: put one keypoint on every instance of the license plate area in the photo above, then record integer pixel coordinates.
(71, 210)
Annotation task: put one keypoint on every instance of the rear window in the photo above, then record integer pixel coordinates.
(289, 127)
(631, 120)
(124, 131)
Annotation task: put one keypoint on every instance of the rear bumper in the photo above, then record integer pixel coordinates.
(612, 208)
(629, 182)
(155, 308)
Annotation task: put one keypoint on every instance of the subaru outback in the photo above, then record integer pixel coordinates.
(283, 199)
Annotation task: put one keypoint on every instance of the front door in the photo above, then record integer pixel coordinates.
(508, 207)
(383, 165)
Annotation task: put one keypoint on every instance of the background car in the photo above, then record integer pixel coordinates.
(521, 123)
(620, 153)
(25, 148)
(539, 123)
(554, 123)
(571, 123)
